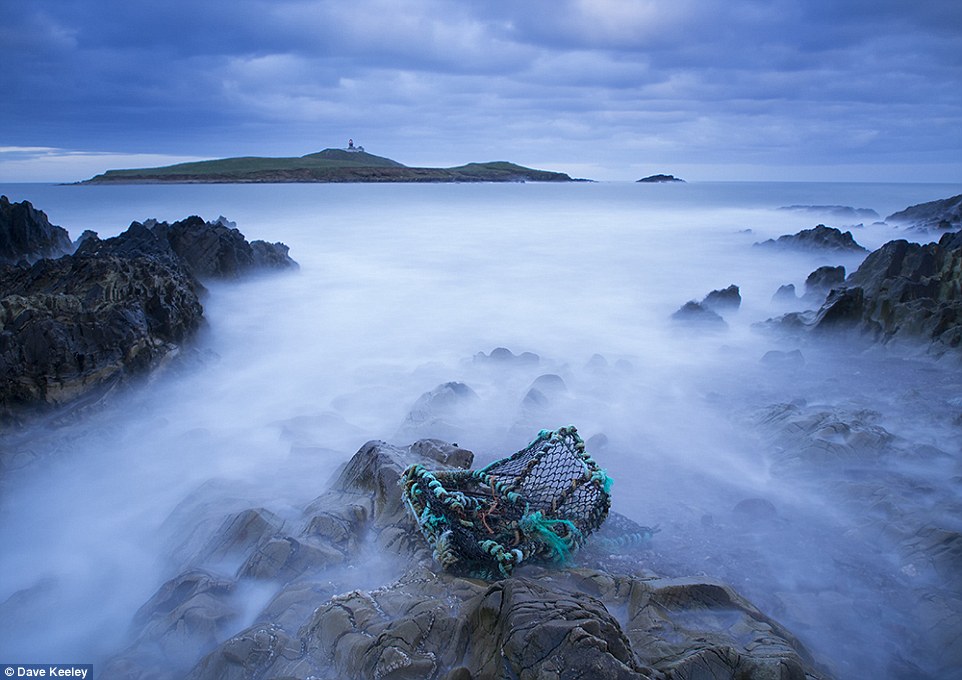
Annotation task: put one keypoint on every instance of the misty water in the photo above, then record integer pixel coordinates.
(399, 287)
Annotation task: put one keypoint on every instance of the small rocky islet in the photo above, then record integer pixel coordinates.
(79, 318)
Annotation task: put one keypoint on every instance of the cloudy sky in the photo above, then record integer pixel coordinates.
(606, 89)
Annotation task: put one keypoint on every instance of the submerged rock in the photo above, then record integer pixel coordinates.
(26, 234)
(819, 238)
(425, 623)
(695, 314)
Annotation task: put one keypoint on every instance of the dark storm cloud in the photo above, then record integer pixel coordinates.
(593, 82)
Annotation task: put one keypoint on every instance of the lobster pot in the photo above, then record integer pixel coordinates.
(539, 504)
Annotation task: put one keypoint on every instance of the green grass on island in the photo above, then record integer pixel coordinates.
(330, 165)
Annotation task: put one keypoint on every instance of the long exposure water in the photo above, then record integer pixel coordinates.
(399, 287)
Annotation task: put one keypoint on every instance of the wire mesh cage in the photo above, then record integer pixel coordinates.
(540, 503)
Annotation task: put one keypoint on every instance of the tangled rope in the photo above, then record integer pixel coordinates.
(539, 504)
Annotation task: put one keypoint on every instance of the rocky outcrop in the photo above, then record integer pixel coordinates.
(26, 234)
(726, 299)
(73, 328)
(819, 238)
(218, 250)
(707, 313)
(588, 622)
(822, 280)
(903, 290)
(942, 215)
(696, 314)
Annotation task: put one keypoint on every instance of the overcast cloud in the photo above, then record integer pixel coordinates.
(708, 89)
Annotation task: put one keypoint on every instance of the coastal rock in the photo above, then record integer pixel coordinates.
(73, 328)
(726, 299)
(218, 249)
(26, 234)
(820, 238)
(425, 623)
(840, 211)
(785, 294)
(904, 290)
(942, 215)
(822, 280)
(695, 314)
(436, 413)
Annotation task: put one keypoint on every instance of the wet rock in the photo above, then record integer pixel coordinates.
(74, 327)
(942, 215)
(726, 299)
(822, 280)
(26, 234)
(439, 413)
(785, 293)
(426, 623)
(187, 618)
(694, 314)
(820, 238)
(904, 291)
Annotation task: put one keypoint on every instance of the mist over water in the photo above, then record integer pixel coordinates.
(400, 286)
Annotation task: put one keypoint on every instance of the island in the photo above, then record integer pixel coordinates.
(655, 179)
(351, 164)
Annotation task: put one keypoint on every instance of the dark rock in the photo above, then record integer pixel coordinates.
(695, 314)
(820, 238)
(822, 280)
(721, 300)
(219, 250)
(944, 214)
(26, 234)
(654, 179)
(840, 211)
(904, 290)
(425, 623)
(74, 327)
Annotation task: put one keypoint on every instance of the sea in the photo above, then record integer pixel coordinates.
(405, 287)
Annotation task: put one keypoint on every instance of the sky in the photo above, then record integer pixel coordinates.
(837, 90)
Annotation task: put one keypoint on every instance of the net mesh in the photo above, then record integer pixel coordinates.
(539, 504)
